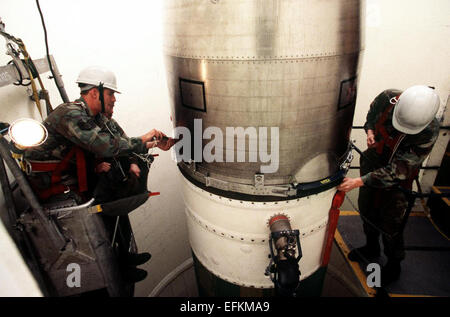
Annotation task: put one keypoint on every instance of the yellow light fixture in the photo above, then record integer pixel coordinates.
(27, 133)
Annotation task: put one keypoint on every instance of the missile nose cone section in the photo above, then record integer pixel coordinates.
(271, 85)
(262, 97)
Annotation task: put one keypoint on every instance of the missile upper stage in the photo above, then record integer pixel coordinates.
(290, 64)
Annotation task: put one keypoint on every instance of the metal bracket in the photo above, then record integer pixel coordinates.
(72, 208)
(259, 180)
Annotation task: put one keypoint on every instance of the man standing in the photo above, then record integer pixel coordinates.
(401, 131)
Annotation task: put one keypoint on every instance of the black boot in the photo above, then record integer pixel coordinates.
(368, 252)
(134, 275)
(138, 258)
(390, 272)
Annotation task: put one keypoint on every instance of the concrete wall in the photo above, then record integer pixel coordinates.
(406, 44)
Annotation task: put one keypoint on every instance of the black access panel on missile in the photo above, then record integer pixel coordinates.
(347, 93)
(193, 94)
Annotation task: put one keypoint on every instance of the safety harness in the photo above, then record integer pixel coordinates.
(391, 142)
(56, 169)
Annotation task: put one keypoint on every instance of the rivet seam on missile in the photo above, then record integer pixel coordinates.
(240, 283)
(301, 58)
(256, 239)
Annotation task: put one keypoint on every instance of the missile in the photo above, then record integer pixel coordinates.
(262, 97)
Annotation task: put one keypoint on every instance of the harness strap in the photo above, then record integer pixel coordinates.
(56, 169)
(62, 166)
(386, 139)
(43, 166)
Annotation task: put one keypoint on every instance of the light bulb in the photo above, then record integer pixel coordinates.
(27, 133)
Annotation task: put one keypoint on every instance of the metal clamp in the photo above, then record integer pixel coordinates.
(345, 165)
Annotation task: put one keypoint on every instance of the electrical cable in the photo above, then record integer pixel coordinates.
(47, 49)
(20, 80)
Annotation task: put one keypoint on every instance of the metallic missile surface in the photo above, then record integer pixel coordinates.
(280, 76)
(290, 64)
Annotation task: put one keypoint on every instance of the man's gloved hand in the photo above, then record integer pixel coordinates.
(103, 167)
(350, 183)
(370, 139)
(134, 169)
(164, 143)
(152, 136)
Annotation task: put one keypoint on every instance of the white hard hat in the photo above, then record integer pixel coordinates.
(96, 75)
(415, 109)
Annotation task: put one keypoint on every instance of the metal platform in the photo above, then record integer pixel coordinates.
(425, 268)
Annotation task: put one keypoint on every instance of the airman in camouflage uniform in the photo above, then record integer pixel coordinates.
(84, 125)
(393, 159)
(72, 124)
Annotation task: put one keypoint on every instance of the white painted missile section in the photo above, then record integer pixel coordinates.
(230, 237)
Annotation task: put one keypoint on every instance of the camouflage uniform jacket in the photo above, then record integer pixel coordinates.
(114, 128)
(402, 165)
(74, 124)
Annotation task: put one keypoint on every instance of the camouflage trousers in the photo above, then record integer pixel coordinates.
(382, 211)
(119, 183)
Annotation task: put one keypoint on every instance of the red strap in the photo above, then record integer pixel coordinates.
(58, 168)
(62, 166)
(386, 139)
(81, 170)
(379, 129)
(333, 218)
(43, 167)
